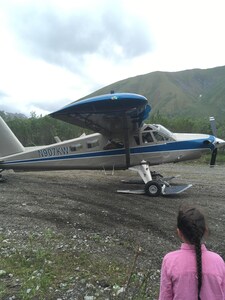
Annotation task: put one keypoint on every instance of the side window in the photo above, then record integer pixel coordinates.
(147, 137)
(92, 144)
(75, 147)
(158, 136)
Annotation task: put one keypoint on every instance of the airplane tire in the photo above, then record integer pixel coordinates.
(153, 188)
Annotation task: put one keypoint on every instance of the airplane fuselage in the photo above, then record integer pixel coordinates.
(95, 151)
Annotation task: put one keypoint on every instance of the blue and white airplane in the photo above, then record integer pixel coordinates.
(123, 141)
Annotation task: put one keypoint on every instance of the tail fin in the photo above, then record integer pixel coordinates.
(9, 144)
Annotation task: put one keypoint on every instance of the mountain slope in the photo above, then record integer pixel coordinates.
(193, 93)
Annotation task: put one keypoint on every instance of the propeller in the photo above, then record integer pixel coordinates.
(213, 126)
(213, 158)
(214, 151)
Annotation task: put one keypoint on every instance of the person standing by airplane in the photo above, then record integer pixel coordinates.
(192, 272)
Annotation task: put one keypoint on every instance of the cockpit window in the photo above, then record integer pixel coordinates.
(159, 137)
(155, 133)
(166, 132)
(148, 127)
(147, 137)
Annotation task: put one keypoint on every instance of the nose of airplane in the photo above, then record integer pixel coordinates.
(219, 143)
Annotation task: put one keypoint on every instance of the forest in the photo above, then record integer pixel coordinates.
(38, 130)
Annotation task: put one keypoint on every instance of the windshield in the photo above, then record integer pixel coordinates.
(163, 130)
(159, 132)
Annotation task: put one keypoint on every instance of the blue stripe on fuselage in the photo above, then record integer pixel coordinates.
(174, 146)
(169, 146)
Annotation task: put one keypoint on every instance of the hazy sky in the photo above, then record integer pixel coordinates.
(53, 52)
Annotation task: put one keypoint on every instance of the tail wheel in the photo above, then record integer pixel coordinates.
(153, 188)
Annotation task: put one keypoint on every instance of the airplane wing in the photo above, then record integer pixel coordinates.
(108, 114)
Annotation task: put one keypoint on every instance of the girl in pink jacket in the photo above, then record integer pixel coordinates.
(193, 272)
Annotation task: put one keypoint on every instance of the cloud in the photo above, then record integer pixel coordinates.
(57, 51)
(67, 38)
(48, 106)
(6, 104)
(3, 95)
(54, 52)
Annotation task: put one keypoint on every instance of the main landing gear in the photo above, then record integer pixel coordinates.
(154, 183)
(153, 188)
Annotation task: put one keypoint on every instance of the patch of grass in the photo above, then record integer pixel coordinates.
(2, 290)
(39, 266)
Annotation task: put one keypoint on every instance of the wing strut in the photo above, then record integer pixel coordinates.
(126, 141)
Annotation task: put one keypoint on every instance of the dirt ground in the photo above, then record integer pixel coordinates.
(85, 203)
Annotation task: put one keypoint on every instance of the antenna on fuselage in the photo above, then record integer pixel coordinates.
(57, 139)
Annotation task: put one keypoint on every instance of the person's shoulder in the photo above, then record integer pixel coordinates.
(214, 255)
(172, 254)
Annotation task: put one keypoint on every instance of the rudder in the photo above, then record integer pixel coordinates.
(9, 144)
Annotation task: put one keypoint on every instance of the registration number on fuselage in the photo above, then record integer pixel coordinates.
(54, 151)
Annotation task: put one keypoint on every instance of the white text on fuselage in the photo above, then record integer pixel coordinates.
(54, 151)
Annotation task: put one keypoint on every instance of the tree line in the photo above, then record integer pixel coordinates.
(189, 125)
(38, 130)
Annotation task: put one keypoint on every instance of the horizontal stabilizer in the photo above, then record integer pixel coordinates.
(9, 144)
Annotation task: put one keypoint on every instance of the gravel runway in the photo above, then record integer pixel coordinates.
(85, 204)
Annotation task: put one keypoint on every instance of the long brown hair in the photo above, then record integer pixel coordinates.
(191, 222)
